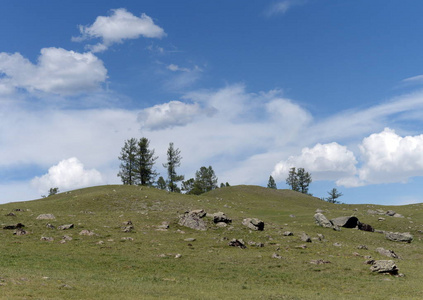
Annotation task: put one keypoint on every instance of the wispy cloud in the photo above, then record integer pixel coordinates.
(281, 7)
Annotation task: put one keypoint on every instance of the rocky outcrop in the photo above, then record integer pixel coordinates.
(237, 243)
(193, 219)
(322, 221)
(253, 223)
(399, 236)
(46, 217)
(388, 253)
(220, 217)
(384, 266)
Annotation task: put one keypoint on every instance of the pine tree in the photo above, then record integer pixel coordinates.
(271, 184)
(128, 163)
(299, 180)
(144, 161)
(173, 161)
(333, 195)
(161, 183)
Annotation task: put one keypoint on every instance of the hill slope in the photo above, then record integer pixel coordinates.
(141, 264)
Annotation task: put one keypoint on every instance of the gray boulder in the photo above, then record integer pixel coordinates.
(399, 236)
(65, 227)
(384, 266)
(347, 222)
(305, 238)
(254, 224)
(193, 219)
(221, 217)
(46, 217)
(388, 253)
(321, 220)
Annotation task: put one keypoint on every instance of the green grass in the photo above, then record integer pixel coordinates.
(208, 269)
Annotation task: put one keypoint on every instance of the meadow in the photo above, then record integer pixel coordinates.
(151, 262)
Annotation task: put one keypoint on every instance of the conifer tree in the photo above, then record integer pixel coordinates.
(271, 183)
(173, 161)
(128, 162)
(144, 161)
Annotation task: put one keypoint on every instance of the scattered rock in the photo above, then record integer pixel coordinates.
(362, 247)
(127, 223)
(50, 226)
(17, 226)
(65, 227)
(384, 266)
(277, 256)
(320, 237)
(321, 220)
(237, 243)
(128, 228)
(292, 216)
(396, 215)
(178, 255)
(390, 213)
(220, 217)
(301, 246)
(365, 227)
(305, 238)
(67, 238)
(46, 217)
(47, 239)
(319, 262)
(221, 224)
(288, 233)
(388, 253)
(126, 238)
(190, 240)
(381, 219)
(337, 244)
(87, 232)
(253, 223)
(20, 231)
(320, 210)
(399, 237)
(10, 215)
(193, 219)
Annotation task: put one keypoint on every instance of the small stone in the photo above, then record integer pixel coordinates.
(178, 255)
(87, 232)
(46, 217)
(190, 240)
(47, 239)
(305, 238)
(288, 233)
(277, 256)
(65, 227)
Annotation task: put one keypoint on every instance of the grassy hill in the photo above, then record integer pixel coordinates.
(152, 263)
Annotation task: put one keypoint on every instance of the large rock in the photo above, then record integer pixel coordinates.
(384, 266)
(193, 219)
(321, 220)
(399, 236)
(347, 222)
(253, 223)
(386, 252)
(46, 217)
(221, 217)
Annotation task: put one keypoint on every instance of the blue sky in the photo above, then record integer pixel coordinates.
(251, 88)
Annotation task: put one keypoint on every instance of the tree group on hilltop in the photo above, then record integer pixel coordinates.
(137, 168)
(299, 180)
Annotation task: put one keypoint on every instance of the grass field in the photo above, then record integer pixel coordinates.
(141, 264)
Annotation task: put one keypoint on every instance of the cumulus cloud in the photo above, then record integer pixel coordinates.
(389, 157)
(68, 174)
(57, 71)
(325, 161)
(281, 7)
(120, 25)
(168, 115)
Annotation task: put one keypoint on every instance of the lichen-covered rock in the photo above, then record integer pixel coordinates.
(388, 253)
(384, 266)
(399, 236)
(46, 217)
(220, 217)
(321, 220)
(193, 219)
(253, 223)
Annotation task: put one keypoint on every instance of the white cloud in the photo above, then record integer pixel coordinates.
(57, 71)
(324, 161)
(389, 157)
(68, 174)
(119, 26)
(281, 7)
(168, 115)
